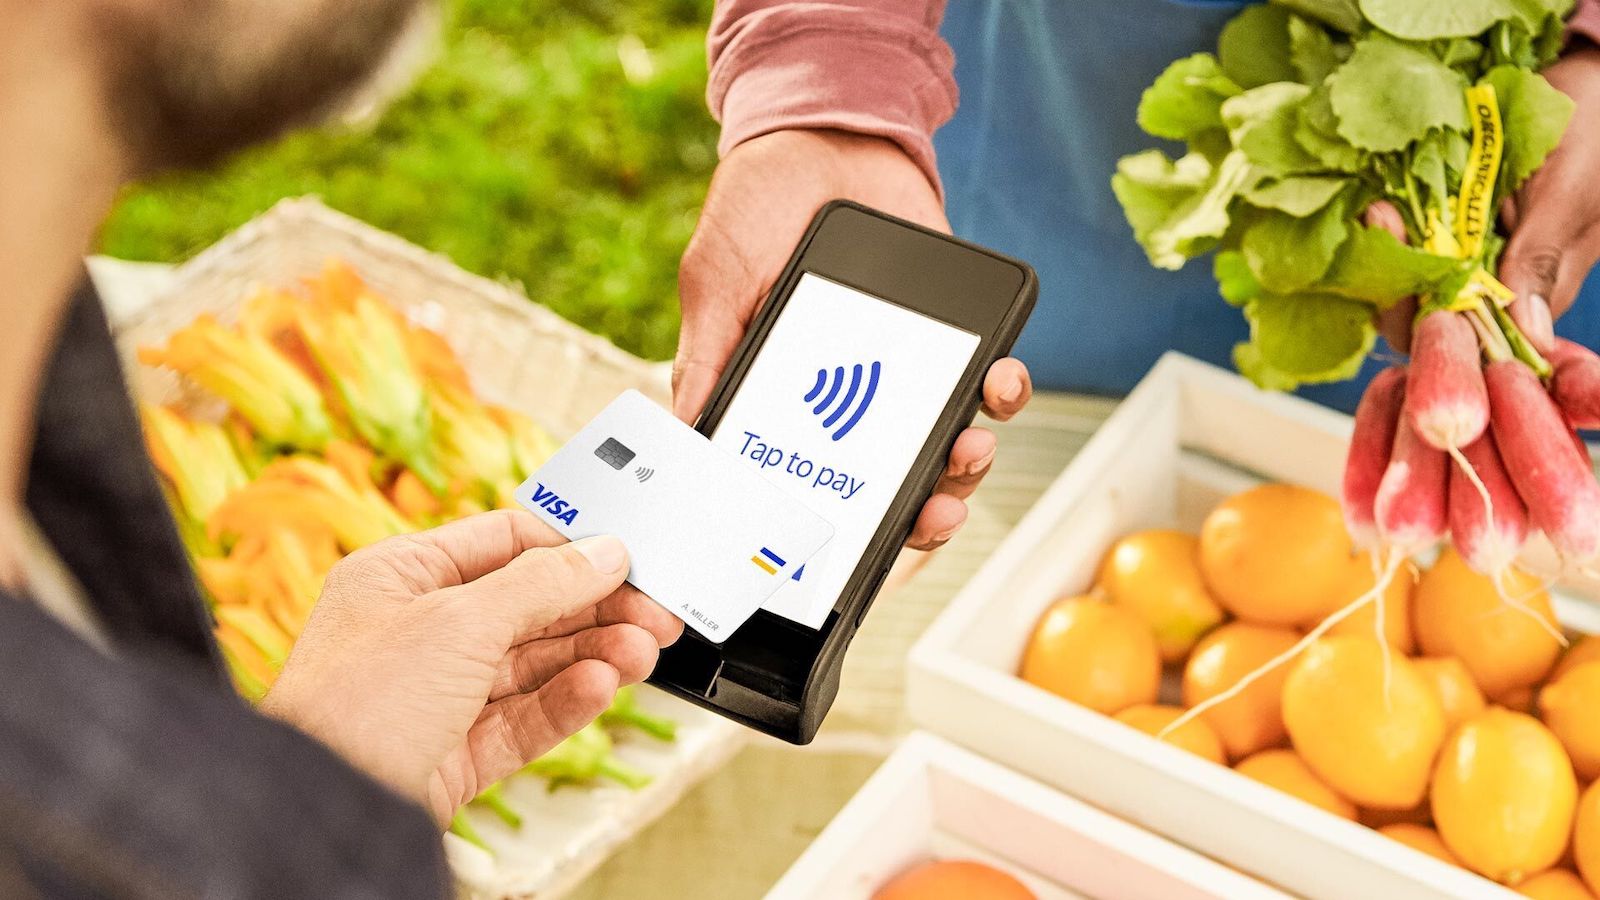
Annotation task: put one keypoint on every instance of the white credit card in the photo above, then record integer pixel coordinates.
(708, 537)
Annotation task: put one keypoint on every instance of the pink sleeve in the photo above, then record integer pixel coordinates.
(874, 67)
(1585, 21)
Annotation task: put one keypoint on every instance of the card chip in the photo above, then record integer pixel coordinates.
(615, 454)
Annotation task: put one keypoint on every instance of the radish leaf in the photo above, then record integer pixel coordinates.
(1316, 131)
(1422, 20)
(1312, 52)
(1341, 14)
(1235, 281)
(1254, 47)
(1178, 210)
(1297, 195)
(1533, 114)
(1373, 266)
(1262, 123)
(1287, 253)
(1390, 93)
(1305, 338)
(1186, 99)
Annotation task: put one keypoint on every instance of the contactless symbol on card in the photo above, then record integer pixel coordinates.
(844, 407)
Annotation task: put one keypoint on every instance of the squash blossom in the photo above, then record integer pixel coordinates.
(362, 350)
(306, 494)
(531, 446)
(583, 757)
(275, 397)
(470, 442)
(196, 458)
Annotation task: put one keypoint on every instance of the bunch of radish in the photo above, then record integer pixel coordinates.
(1518, 463)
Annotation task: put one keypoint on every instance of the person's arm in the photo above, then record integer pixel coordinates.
(129, 777)
(820, 101)
(868, 67)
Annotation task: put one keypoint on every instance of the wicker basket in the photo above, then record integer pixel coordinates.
(520, 355)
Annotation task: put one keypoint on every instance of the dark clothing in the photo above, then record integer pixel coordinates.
(143, 775)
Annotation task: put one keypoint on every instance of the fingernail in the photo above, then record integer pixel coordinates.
(981, 464)
(1012, 394)
(1541, 325)
(604, 552)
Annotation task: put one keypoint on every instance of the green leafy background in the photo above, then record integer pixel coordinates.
(527, 151)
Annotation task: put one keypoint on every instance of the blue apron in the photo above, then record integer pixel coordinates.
(1049, 90)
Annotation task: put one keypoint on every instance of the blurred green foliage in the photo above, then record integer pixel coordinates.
(563, 145)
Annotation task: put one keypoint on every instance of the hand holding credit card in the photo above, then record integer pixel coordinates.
(709, 538)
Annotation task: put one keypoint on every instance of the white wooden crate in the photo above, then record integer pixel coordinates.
(1187, 437)
(934, 800)
(520, 355)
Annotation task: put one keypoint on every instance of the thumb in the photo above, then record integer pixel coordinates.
(705, 345)
(543, 585)
(1531, 267)
(718, 296)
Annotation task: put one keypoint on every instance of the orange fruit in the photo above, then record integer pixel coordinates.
(954, 879)
(1420, 837)
(1252, 720)
(1275, 554)
(1374, 748)
(1459, 613)
(1450, 679)
(1156, 575)
(1584, 649)
(1555, 884)
(1194, 736)
(1586, 837)
(1286, 771)
(1523, 699)
(1094, 654)
(1382, 818)
(1571, 707)
(1504, 796)
(1359, 579)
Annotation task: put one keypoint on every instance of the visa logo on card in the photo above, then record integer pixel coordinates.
(708, 537)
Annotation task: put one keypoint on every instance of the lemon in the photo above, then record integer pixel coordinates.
(1275, 554)
(1194, 735)
(1382, 818)
(1374, 748)
(1555, 884)
(1094, 654)
(1420, 837)
(1156, 575)
(954, 879)
(1286, 771)
(1584, 649)
(1396, 604)
(1459, 613)
(1571, 707)
(1503, 795)
(1252, 720)
(1586, 837)
(1450, 679)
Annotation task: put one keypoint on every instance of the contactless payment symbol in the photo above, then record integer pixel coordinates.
(768, 561)
(853, 405)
